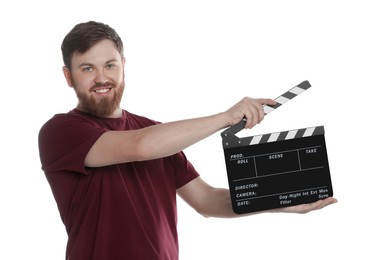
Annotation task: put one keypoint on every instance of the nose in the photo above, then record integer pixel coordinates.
(101, 77)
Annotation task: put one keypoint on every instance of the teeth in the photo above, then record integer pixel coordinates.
(104, 90)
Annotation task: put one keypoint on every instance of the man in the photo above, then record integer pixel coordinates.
(114, 174)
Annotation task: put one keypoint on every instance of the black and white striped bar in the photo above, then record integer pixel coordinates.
(285, 135)
(287, 96)
(295, 91)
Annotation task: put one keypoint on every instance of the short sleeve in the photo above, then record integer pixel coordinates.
(184, 170)
(64, 142)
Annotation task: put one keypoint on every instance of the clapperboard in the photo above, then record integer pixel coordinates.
(277, 169)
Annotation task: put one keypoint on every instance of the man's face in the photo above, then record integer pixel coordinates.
(97, 76)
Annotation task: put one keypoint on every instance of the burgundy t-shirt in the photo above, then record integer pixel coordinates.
(122, 211)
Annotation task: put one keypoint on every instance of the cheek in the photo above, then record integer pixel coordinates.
(116, 77)
(82, 82)
(118, 74)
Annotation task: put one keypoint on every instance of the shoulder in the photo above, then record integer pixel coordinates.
(56, 121)
(65, 120)
(138, 121)
(69, 124)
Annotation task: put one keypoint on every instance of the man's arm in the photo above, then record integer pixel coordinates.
(163, 140)
(216, 202)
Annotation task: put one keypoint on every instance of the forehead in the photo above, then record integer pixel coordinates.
(101, 52)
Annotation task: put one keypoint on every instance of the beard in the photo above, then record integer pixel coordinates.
(102, 106)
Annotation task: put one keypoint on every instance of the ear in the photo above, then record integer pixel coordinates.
(68, 76)
(123, 61)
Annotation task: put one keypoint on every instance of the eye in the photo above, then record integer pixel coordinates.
(111, 66)
(87, 69)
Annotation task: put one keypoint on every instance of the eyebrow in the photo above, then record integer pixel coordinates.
(84, 64)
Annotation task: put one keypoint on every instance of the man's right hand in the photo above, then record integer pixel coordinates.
(251, 109)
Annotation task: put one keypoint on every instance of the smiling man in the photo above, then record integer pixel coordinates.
(99, 83)
(115, 174)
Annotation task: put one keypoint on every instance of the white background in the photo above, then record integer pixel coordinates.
(194, 58)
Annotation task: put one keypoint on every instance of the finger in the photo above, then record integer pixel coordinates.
(326, 202)
(261, 102)
(250, 118)
(253, 116)
(319, 204)
(256, 111)
(305, 208)
(260, 111)
(267, 101)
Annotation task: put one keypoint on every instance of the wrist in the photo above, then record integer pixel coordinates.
(223, 120)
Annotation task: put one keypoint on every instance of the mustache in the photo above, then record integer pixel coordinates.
(103, 85)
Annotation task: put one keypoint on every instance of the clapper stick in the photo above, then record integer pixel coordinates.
(284, 98)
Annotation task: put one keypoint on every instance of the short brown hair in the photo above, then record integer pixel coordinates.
(83, 36)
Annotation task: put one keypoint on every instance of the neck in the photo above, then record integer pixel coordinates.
(118, 112)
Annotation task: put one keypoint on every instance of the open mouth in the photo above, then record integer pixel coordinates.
(102, 90)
